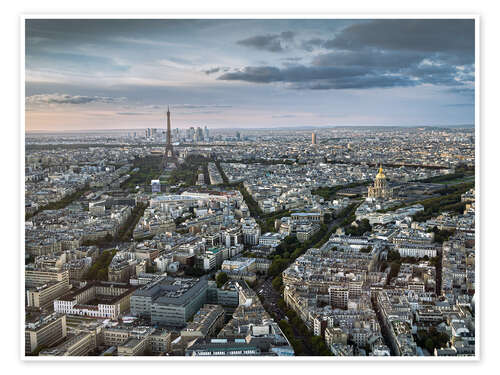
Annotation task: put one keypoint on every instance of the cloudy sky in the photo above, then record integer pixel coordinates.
(119, 74)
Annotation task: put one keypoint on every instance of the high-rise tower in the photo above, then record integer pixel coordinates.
(169, 156)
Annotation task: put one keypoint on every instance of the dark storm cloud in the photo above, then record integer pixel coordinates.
(430, 35)
(211, 71)
(269, 42)
(262, 74)
(427, 68)
(319, 78)
(267, 74)
(217, 69)
(369, 58)
(77, 31)
(379, 53)
(135, 40)
(436, 74)
(367, 81)
(349, 76)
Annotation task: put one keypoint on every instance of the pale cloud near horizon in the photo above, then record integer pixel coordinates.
(70, 99)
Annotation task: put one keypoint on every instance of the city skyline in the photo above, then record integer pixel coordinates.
(353, 243)
(121, 74)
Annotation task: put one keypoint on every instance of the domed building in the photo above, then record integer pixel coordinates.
(379, 190)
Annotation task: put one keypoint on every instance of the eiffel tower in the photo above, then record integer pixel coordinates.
(169, 157)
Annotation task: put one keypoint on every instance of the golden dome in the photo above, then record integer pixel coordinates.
(380, 173)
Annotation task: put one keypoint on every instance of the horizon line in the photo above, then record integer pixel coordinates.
(262, 128)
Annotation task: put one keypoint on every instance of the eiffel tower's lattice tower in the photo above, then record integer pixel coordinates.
(169, 156)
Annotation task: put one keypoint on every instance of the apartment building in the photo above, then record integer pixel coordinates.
(417, 250)
(133, 347)
(37, 276)
(169, 301)
(158, 341)
(339, 296)
(206, 322)
(44, 331)
(42, 296)
(77, 345)
(96, 299)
